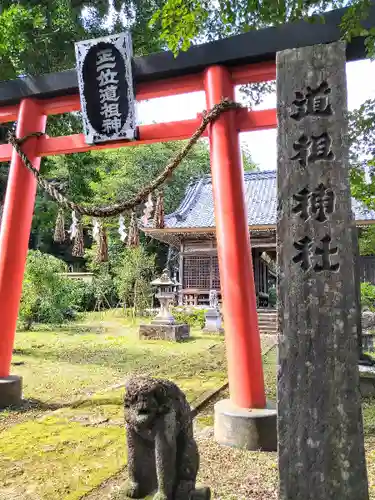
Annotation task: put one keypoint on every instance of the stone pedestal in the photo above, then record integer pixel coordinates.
(201, 493)
(10, 391)
(176, 332)
(368, 341)
(367, 381)
(246, 429)
(213, 321)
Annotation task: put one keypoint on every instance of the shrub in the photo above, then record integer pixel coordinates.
(133, 275)
(272, 296)
(82, 295)
(368, 295)
(103, 287)
(48, 297)
(189, 316)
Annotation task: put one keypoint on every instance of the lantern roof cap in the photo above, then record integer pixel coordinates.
(164, 279)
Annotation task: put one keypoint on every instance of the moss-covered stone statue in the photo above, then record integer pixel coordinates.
(163, 457)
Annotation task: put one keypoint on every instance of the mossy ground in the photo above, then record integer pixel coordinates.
(69, 436)
(68, 441)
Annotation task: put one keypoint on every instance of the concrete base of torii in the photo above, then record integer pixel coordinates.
(10, 391)
(251, 430)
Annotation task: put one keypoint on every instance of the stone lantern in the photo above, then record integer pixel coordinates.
(164, 326)
(166, 294)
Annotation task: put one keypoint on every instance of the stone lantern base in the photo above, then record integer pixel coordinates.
(213, 321)
(175, 332)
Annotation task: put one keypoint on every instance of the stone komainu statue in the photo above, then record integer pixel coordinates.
(162, 452)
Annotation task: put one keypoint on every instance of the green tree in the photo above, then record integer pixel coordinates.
(185, 22)
(47, 296)
(368, 296)
(367, 241)
(37, 36)
(247, 161)
(362, 153)
(133, 275)
(127, 170)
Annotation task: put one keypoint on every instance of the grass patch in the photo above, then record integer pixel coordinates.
(72, 370)
(58, 365)
(56, 458)
(269, 370)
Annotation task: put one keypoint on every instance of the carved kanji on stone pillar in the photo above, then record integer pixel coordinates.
(321, 451)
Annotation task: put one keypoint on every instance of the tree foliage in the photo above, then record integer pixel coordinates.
(128, 170)
(368, 296)
(47, 296)
(367, 241)
(133, 275)
(37, 36)
(185, 22)
(362, 153)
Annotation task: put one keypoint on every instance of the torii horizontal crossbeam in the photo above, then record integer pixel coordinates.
(248, 48)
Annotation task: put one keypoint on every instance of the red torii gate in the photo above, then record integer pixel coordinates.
(243, 342)
(214, 68)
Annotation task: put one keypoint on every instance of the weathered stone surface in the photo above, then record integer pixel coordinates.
(357, 289)
(10, 391)
(368, 341)
(164, 332)
(368, 320)
(213, 321)
(367, 381)
(162, 453)
(247, 429)
(321, 451)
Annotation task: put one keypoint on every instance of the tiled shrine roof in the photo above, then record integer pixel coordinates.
(197, 208)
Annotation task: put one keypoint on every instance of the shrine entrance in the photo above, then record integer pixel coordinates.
(214, 68)
(243, 342)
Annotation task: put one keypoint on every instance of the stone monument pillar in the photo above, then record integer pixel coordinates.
(321, 450)
(213, 316)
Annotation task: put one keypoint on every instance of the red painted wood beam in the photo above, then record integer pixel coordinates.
(254, 73)
(8, 113)
(242, 340)
(247, 121)
(250, 121)
(15, 228)
(250, 73)
(172, 86)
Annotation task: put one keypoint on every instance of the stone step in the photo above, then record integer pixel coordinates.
(267, 321)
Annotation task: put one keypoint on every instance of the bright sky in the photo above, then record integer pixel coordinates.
(262, 144)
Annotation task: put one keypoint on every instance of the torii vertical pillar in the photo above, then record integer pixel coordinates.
(243, 421)
(14, 240)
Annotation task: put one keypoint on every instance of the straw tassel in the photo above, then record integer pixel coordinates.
(102, 244)
(59, 234)
(133, 238)
(77, 232)
(159, 211)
